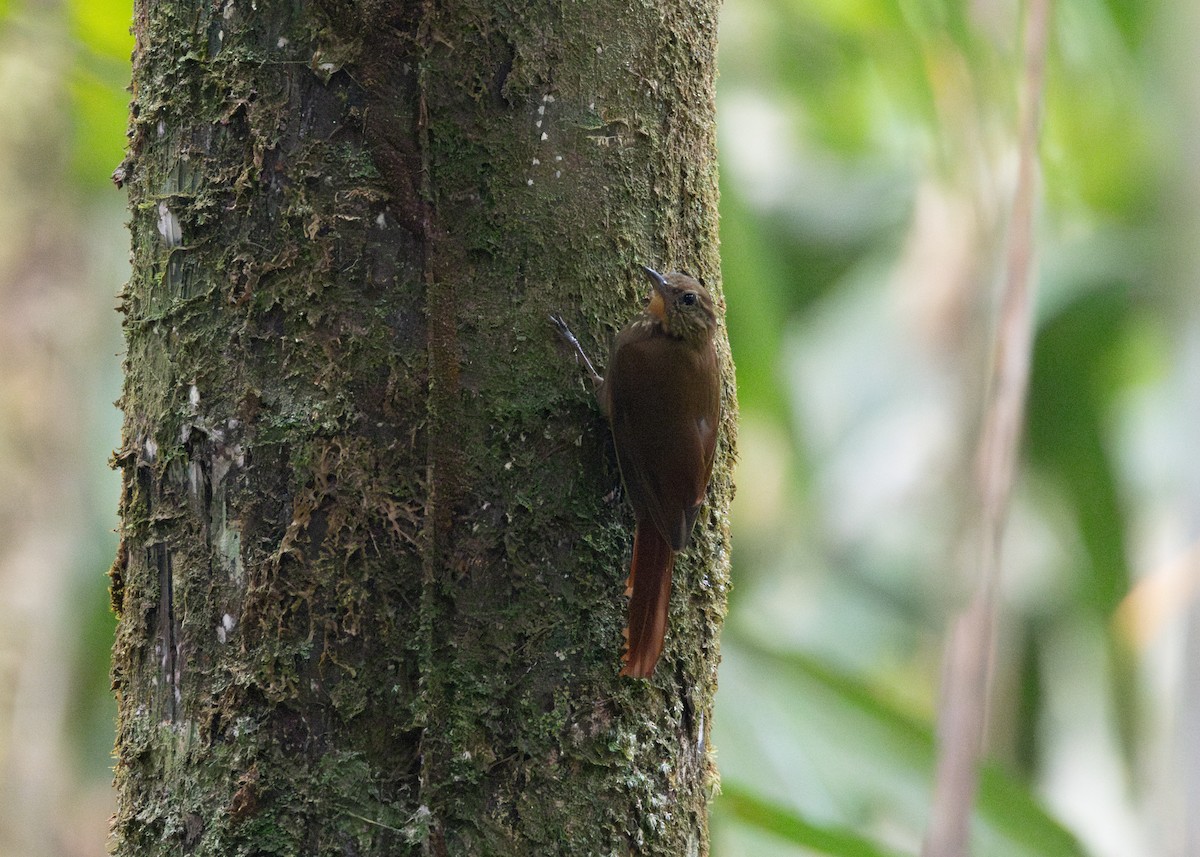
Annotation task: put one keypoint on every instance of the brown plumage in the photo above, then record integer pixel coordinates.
(662, 397)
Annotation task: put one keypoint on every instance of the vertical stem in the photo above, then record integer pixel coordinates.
(971, 641)
(1179, 791)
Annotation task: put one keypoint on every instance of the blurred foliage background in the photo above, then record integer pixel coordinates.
(868, 160)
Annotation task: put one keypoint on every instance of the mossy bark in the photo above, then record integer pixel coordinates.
(372, 556)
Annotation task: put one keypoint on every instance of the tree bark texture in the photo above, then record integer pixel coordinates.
(373, 546)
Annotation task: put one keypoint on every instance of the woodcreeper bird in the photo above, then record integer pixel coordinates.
(662, 398)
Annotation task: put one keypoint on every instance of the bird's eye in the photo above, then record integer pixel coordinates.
(688, 299)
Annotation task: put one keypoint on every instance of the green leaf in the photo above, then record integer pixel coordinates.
(787, 824)
(806, 736)
(102, 26)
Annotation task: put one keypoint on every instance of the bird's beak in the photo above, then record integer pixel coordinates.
(658, 304)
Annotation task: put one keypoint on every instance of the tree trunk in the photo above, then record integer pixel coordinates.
(372, 552)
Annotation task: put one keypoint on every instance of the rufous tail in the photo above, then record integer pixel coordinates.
(649, 596)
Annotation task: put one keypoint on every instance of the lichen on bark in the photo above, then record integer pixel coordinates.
(372, 554)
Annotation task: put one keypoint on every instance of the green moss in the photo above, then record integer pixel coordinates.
(415, 645)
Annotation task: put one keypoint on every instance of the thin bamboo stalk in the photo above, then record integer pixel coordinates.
(970, 643)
